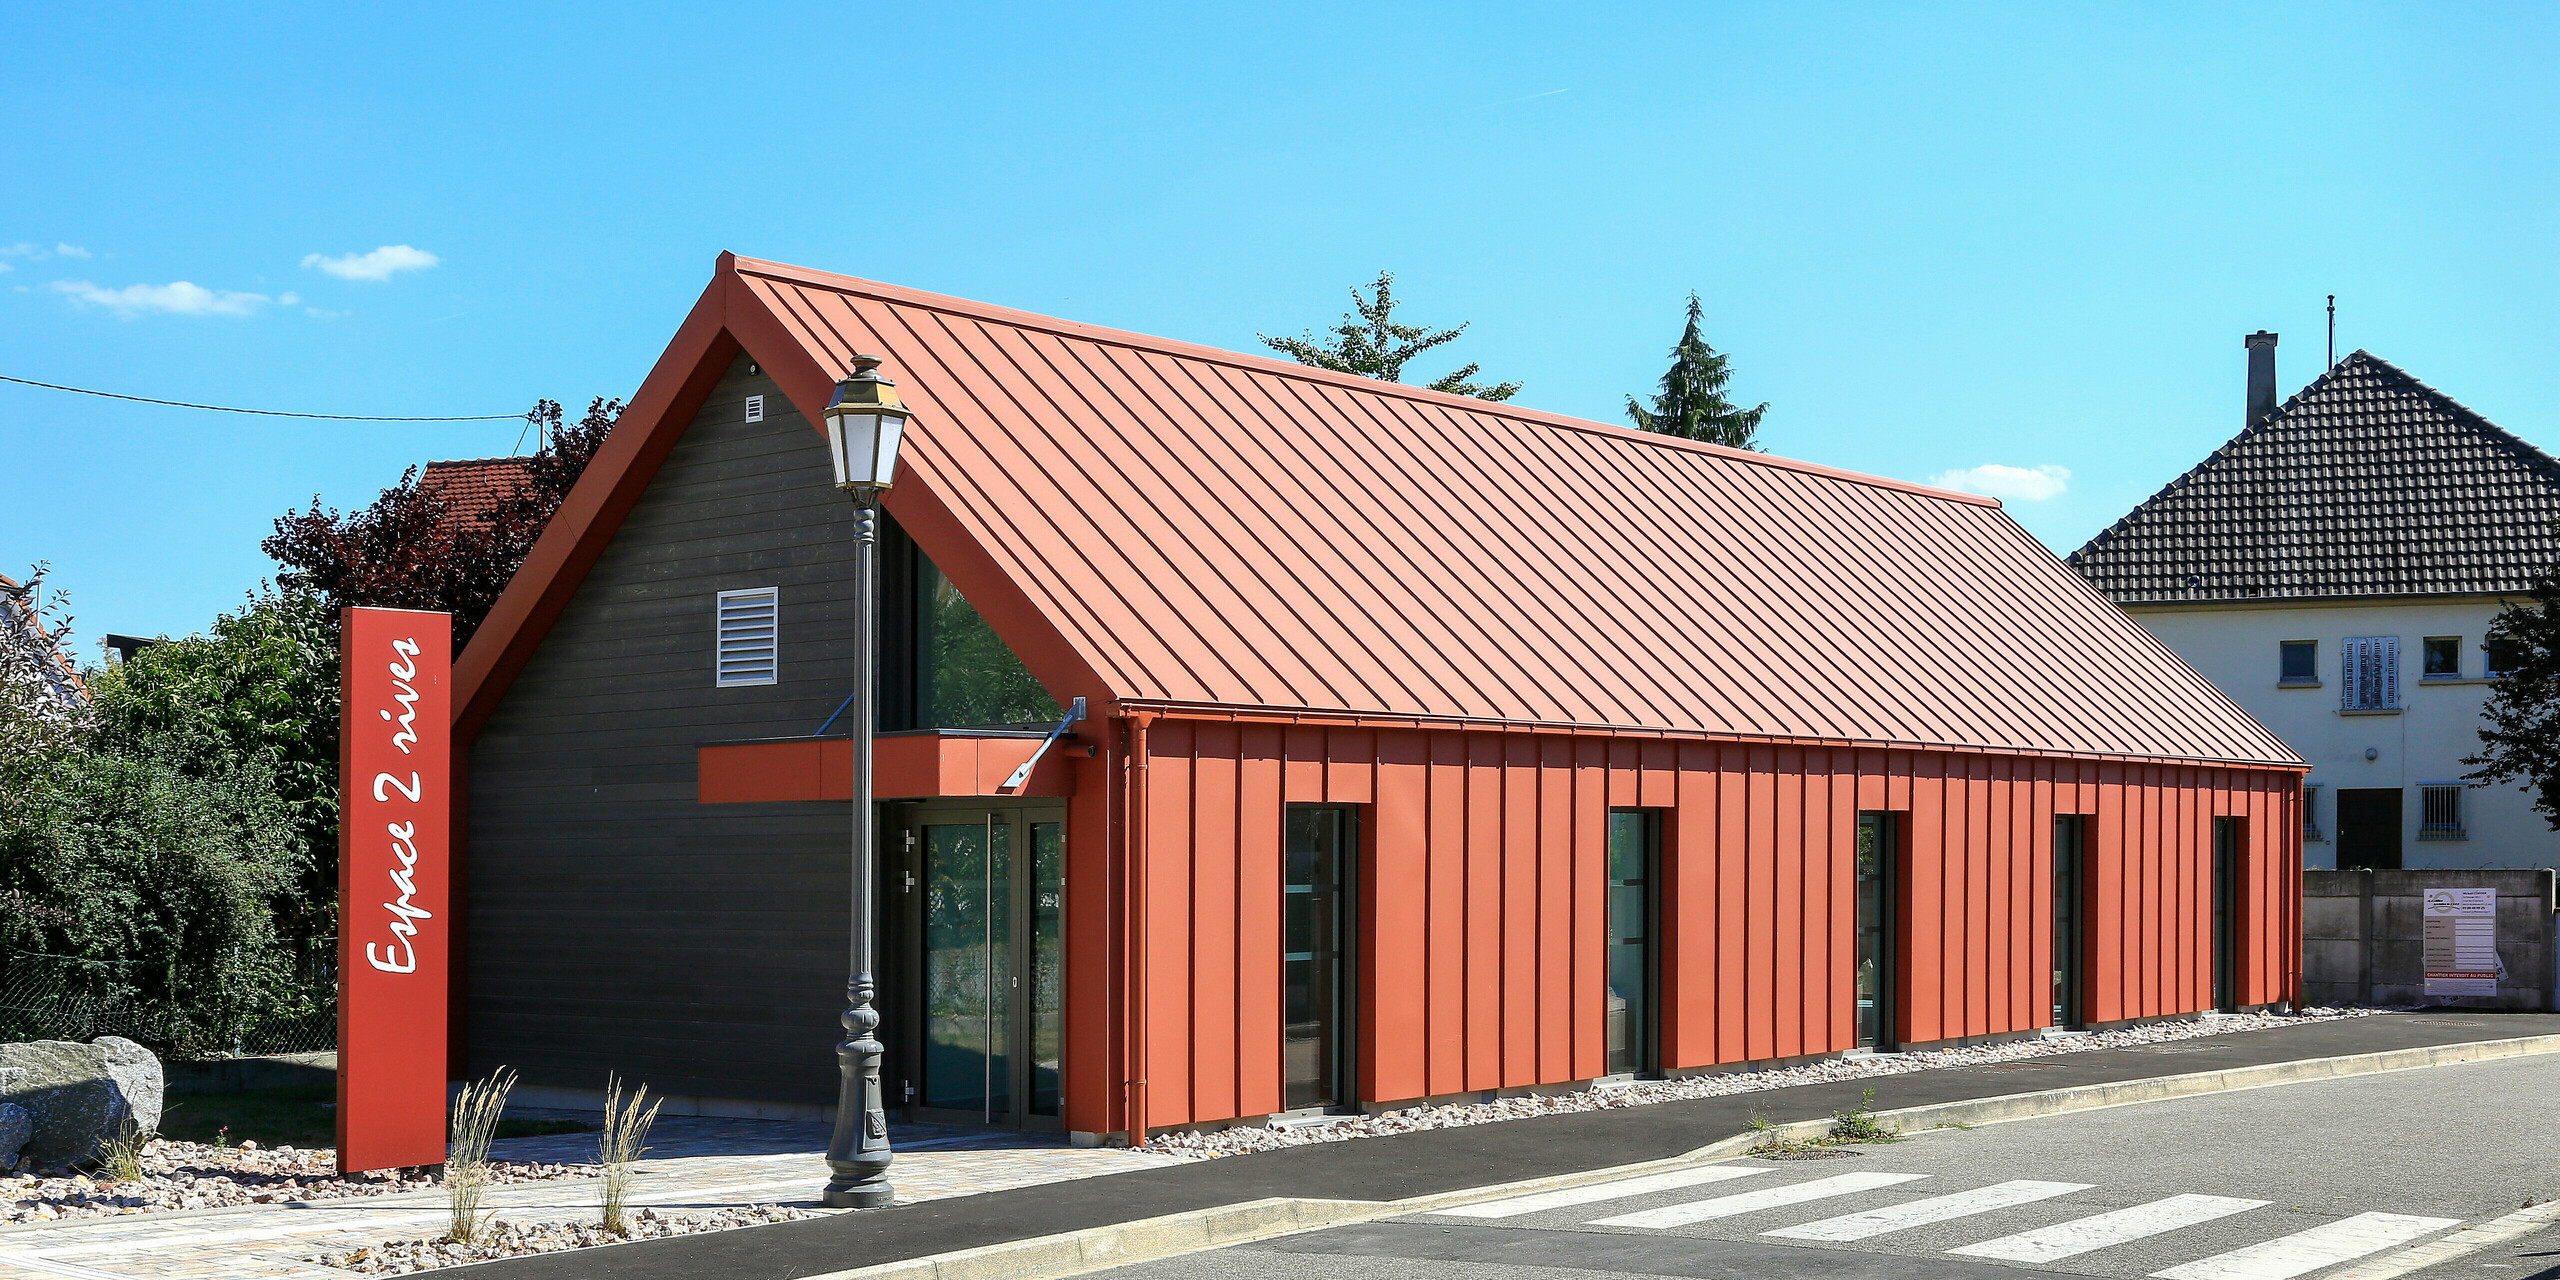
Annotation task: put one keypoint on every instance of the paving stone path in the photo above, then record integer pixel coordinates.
(693, 1163)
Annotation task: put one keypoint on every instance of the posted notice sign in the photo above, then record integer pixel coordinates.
(2461, 942)
(395, 927)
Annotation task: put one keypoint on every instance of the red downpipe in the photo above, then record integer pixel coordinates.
(1135, 1101)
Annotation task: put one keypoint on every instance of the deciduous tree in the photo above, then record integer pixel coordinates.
(2520, 729)
(411, 550)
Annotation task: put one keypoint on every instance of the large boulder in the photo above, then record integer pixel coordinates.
(17, 1125)
(79, 1096)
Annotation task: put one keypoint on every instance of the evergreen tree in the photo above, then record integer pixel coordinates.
(2520, 733)
(1371, 345)
(1692, 404)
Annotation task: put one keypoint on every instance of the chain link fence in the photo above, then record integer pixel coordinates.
(49, 997)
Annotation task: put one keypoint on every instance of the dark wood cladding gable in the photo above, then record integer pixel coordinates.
(616, 924)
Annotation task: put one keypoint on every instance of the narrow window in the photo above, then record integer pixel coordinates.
(1635, 853)
(1879, 918)
(2440, 811)
(747, 623)
(2443, 657)
(1316, 933)
(2070, 894)
(2298, 662)
(2311, 815)
(2230, 844)
(2370, 673)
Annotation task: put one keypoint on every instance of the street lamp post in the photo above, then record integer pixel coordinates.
(864, 423)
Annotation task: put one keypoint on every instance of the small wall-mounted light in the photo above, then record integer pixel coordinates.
(2372, 753)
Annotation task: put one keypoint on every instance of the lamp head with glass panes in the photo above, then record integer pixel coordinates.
(864, 423)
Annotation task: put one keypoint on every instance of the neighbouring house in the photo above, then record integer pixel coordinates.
(33, 668)
(1436, 747)
(477, 488)
(2334, 569)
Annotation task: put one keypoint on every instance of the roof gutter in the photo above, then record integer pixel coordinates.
(1349, 719)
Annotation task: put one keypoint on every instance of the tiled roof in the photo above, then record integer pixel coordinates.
(476, 487)
(30, 660)
(2366, 483)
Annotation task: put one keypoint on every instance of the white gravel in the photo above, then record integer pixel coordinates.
(1240, 1140)
(515, 1239)
(195, 1175)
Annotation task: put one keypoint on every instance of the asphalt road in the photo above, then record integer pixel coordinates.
(2264, 1184)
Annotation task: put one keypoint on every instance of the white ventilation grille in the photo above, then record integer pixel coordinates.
(755, 408)
(748, 639)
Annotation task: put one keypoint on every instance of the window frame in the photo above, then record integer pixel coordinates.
(2449, 794)
(2429, 646)
(2490, 666)
(2285, 649)
(720, 612)
(2311, 833)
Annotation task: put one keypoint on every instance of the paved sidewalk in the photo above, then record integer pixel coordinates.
(694, 1163)
(1446, 1160)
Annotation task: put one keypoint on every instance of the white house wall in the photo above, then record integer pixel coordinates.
(2236, 647)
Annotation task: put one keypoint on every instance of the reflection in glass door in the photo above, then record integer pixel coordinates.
(990, 1027)
(1879, 906)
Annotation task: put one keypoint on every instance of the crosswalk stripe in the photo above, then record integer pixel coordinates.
(1920, 1213)
(1681, 1215)
(2098, 1231)
(1624, 1187)
(2326, 1245)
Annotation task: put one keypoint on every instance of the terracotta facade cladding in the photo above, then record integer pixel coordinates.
(1482, 925)
(1483, 628)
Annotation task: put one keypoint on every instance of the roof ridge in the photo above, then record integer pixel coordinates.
(1309, 373)
(481, 462)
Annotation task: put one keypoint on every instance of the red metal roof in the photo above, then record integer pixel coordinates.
(1195, 529)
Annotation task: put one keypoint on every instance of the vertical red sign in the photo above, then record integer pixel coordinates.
(394, 872)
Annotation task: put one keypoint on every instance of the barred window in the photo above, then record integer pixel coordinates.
(2371, 673)
(2440, 811)
(2311, 814)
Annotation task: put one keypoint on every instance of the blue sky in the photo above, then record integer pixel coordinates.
(2021, 236)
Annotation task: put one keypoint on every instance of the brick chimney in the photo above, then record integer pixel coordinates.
(2262, 376)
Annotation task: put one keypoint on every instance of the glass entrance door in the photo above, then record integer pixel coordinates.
(989, 911)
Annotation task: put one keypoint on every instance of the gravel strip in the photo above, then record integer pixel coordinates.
(516, 1239)
(193, 1175)
(1241, 1140)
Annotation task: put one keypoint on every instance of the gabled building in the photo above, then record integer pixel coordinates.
(1436, 747)
(2334, 568)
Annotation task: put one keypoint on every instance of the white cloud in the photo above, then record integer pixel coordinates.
(178, 299)
(21, 250)
(69, 251)
(5, 268)
(381, 264)
(2009, 484)
(38, 253)
(288, 298)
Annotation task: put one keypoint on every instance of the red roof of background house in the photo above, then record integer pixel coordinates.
(26, 632)
(475, 488)
(1191, 529)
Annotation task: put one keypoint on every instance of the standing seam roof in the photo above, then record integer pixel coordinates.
(1203, 528)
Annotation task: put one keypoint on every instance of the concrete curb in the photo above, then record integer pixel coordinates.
(1179, 1233)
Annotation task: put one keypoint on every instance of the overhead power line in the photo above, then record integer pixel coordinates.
(263, 413)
